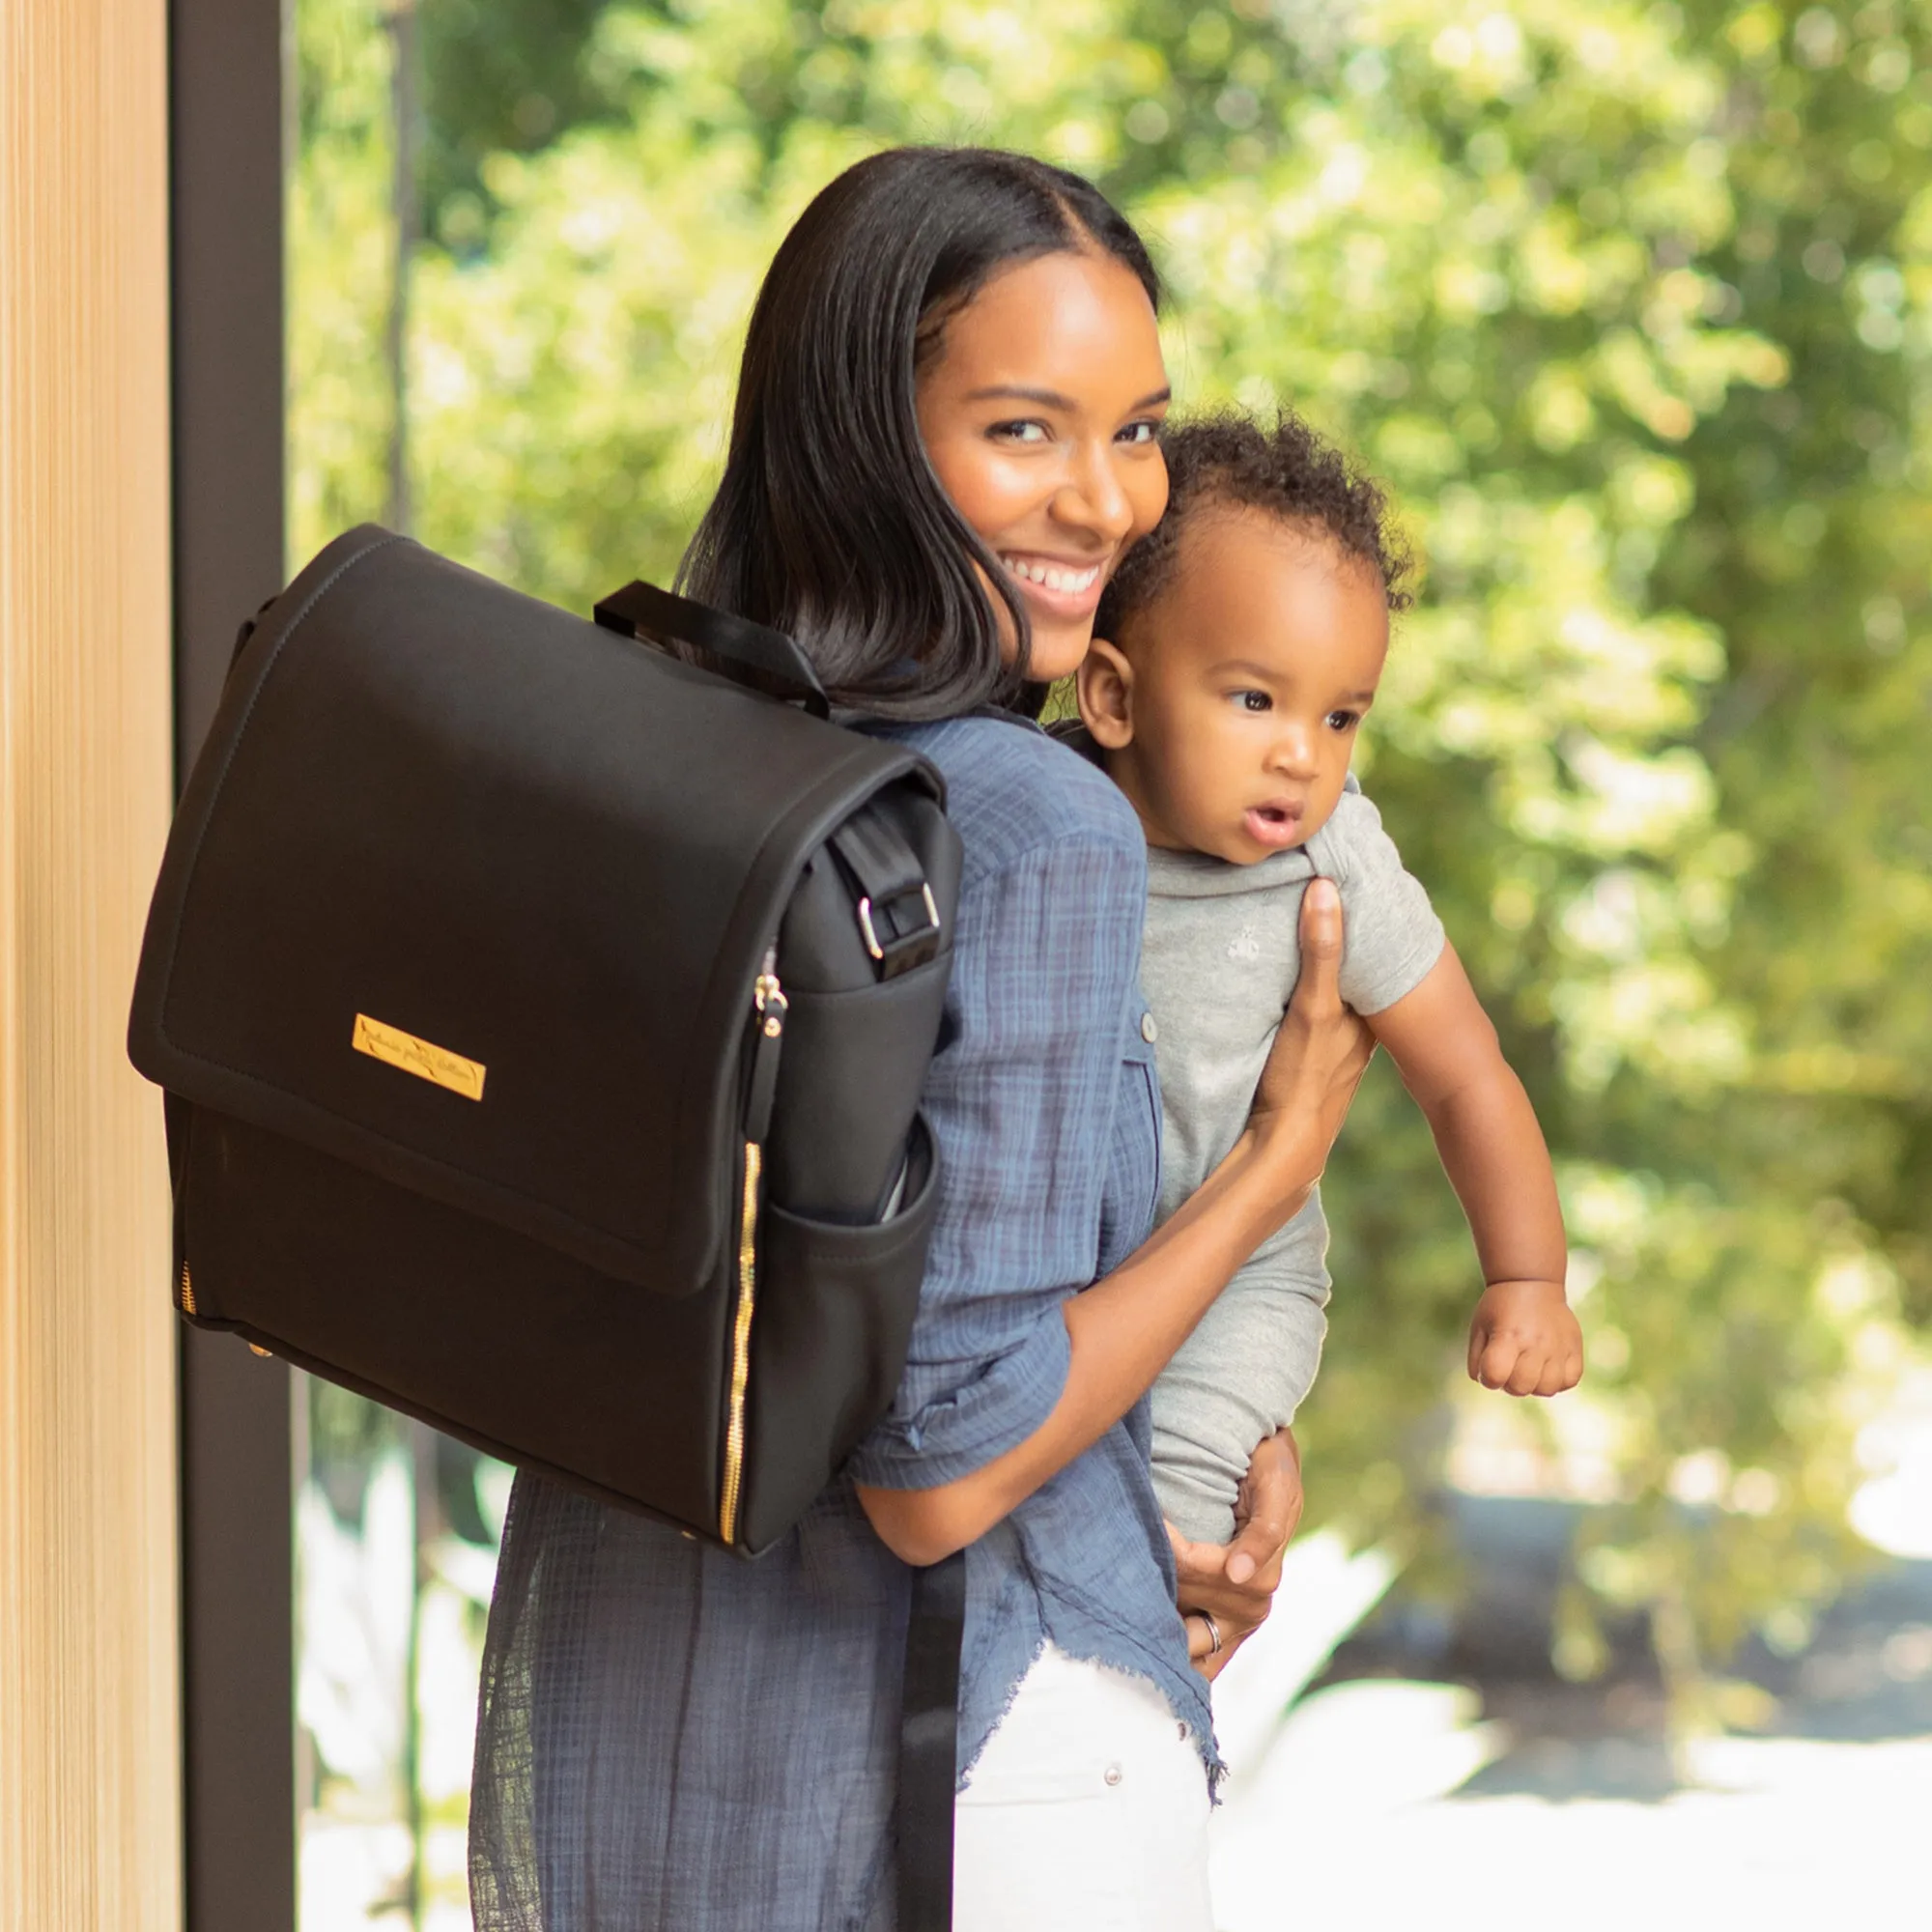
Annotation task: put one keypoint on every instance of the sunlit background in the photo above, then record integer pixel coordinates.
(1632, 306)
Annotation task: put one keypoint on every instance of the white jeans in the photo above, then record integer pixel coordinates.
(1087, 1812)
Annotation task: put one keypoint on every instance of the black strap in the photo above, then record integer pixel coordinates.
(898, 918)
(929, 1747)
(766, 659)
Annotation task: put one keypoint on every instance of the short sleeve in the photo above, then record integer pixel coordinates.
(1390, 934)
(1021, 1101)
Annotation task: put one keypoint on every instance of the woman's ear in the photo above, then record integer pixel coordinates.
(1105, 685)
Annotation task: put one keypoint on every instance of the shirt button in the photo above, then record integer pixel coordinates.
(1148, 1030)
(1181, 1731)
(1112, 1774)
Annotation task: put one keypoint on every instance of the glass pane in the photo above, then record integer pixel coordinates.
(1506, 261)
(396, 1533)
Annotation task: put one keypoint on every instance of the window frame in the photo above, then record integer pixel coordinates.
(227, 158)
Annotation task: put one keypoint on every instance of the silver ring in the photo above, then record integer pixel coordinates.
(1213, 1633)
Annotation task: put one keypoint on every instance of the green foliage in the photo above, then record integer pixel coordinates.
(495, 80)
(341, 242)
(1633, 306)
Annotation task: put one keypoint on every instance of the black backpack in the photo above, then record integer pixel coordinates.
(543, 1019)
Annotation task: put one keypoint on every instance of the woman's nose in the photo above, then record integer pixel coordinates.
(1093, 497)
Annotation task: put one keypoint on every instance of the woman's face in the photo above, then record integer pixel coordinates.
(1038, 414)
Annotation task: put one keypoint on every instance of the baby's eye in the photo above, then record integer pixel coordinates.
(1253, 701)
(1027, 430)
(1344, 721)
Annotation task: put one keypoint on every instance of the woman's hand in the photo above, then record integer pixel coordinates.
(1234, 1584)
(1320, 1053)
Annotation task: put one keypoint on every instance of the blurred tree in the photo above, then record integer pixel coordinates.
(1808, 541)
(497, 79)
(341, 243)
(1633, 305)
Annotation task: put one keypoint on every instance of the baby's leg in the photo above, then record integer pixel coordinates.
(1237, 1379)
(1203, 1437)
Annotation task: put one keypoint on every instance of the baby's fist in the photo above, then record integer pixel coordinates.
(1524, 1339)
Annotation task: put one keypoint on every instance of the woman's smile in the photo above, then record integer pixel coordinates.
(1058, 587)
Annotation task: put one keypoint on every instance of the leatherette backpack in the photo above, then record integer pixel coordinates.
(543, 1020)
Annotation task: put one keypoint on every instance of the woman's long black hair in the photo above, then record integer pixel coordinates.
(830, 521)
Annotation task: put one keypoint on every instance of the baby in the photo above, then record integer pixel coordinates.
(1235, 656)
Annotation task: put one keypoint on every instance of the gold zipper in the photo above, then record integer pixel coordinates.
(768, 1015)
(741, 1345)
(186, 1290)
(769, 1003)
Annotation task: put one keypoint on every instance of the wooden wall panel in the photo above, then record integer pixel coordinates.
(89, 1726)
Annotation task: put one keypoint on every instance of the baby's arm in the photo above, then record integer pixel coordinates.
(1523, 1337)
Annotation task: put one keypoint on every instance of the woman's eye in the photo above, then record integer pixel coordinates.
(1139, 432)
(1254, 700)
(1019, 432)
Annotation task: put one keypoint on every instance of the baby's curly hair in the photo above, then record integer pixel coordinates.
(1228, 460)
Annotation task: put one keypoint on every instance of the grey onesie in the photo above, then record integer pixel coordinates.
(1221, 957)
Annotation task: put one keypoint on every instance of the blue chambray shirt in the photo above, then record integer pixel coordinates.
(670, 1737)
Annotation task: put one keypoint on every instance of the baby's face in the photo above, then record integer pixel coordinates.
(1230, 709)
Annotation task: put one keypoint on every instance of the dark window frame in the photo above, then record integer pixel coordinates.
(226, 167)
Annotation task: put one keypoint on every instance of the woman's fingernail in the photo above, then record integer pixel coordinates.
(1241, 1568)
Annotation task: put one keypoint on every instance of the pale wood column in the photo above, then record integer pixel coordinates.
(89, 1828)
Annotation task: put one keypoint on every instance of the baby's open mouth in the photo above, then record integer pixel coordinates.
(1277, 825)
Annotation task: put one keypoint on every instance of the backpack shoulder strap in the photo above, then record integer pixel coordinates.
(749, 653)
(929, 1747)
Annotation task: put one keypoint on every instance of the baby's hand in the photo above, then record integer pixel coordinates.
(1524, 1339)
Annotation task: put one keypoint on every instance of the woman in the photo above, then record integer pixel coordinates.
(943, 443)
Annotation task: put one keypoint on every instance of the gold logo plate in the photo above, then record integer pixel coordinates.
(437, 1063)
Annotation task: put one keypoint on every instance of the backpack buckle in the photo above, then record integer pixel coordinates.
(899, 951)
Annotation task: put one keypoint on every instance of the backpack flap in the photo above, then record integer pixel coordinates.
(475, 894)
